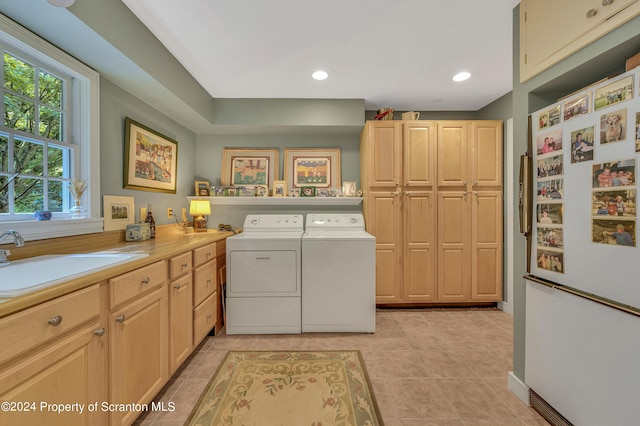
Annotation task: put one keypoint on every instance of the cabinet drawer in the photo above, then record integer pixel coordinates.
(135, 283)
(179, 265)
(204, 254)
(204, 318)
(204, 282)
(34, 326)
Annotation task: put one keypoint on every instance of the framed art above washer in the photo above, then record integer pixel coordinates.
(319, 167)
(249, 167)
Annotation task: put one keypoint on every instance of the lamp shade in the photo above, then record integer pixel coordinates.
(199, 207)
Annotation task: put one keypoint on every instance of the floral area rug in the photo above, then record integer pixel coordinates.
(283, 388)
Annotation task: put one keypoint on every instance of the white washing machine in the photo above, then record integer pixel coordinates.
(338, 274)
(264, 277)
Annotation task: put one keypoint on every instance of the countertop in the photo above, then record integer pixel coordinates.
(163, 247)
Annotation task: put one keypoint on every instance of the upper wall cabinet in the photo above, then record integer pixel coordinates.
(551, 30)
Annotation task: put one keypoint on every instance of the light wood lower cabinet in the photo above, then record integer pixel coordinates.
(419, 247)
(204, 317)
(180, 321)
(54, 353)
(139, 358)
(116, 342)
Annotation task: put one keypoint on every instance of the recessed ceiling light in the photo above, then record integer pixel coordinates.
(320, 75)
(461, 76)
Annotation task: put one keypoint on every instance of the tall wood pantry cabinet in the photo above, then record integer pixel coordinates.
(433, 200)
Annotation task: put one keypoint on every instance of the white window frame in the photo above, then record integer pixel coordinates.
(85, 132)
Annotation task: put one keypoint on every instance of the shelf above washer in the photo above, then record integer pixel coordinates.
(280, 201)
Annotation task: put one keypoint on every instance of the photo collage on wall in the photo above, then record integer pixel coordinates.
(579, 129)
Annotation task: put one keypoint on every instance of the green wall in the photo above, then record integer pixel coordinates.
(115, 105)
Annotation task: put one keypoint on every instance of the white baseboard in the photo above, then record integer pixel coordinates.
(505, 307)
(518, 388)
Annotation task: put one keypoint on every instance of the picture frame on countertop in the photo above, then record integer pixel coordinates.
(262, 191)
(307, 191)
(279, 188)
(318, 167)
(118, 212)
(249, 167)
(150, 159)
(202, 188)
(349, 189)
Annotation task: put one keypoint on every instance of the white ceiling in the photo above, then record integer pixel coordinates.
(396, 53)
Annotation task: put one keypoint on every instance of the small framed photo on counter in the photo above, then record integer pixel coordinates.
(279, 188)
(349, 189)
(202, 188)
(307, 191)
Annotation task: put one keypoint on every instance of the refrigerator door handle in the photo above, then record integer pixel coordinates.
(524, 195)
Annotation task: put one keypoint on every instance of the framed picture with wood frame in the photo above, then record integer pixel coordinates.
(279, 188)
(150, 159)
(118, 212)
(249, 167)
(203, 189)
(312, 167)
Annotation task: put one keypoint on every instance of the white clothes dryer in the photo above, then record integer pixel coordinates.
(338, 274)
(264, 276)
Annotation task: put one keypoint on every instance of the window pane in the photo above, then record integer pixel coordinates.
(55, 196)
(19, 76)
(4, 194)
(29, 195)
(4, 154)
(50, 90)
(28, 158)
(50, 120)
(19, 113)
(55, 160)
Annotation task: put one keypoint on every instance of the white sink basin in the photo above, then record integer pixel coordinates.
(26, 275)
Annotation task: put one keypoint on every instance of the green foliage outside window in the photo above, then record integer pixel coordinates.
(38, 165)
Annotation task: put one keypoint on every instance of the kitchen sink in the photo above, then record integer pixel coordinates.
(26, 275)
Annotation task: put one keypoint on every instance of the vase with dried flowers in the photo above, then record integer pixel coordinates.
(77, 188)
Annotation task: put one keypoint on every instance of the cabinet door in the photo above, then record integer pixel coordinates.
(180, 321)
(383, 148)
(382, 210)
(69, 371)
(452, 153)
(486, 154)
(541, 45)
(419, 257)
(453, 247)
(139, 354)
(418, 150)
(486, 262)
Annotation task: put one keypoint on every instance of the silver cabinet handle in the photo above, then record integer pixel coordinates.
(591, 13)
(99, 332)
(464, 183)
(177, 286)
(208, 254)
(120, 318)
(606, 2)
(145, 280)
(54, 321)
(184, 265)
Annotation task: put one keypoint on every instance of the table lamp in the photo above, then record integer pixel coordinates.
(198, 209)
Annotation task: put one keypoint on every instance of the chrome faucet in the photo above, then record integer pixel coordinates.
(17, 239)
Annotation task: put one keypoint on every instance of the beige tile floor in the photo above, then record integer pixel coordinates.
(441, 367)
